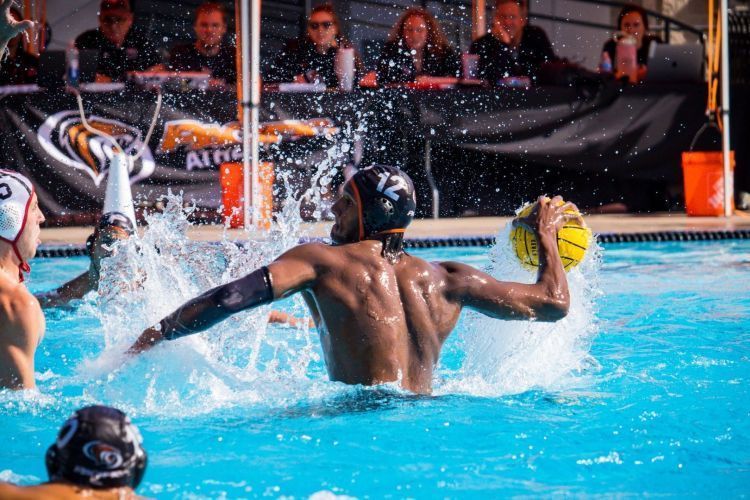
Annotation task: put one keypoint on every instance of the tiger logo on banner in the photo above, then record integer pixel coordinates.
(64, 137)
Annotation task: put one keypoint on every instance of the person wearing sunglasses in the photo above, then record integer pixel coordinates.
(311, 58)
(122, 45)
(416, 47)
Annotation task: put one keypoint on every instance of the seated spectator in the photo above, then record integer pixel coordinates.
(417, 46)
(98, 453)
(632, 21)
(509, 49)
(210, 52)
(21, 66)
(122, 46)
(311, 57)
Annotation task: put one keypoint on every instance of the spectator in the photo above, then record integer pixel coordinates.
(210, 52)
(122, 46)
(311, 57)
(10, 27)
(98, 454)
(417, 46)
(632, 21)
(21, 66)
(509, 49)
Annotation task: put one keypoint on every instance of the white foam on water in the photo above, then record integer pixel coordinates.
(511, 357)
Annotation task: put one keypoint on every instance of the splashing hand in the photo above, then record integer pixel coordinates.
(9, 27)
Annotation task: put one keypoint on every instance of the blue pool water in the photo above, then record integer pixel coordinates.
(644, 391)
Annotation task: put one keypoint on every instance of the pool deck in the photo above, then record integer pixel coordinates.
(468, 226)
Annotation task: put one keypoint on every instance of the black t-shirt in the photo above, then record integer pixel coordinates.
(299, 57)
(396, 64)
(137, 53)
(222, 65)
(610, 47)
(20, 69)
(497, 60)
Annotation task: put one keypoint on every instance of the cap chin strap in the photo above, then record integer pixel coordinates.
(23, 266)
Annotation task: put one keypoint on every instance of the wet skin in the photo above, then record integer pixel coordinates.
(382, 322)
(20, 314)
(64, 491)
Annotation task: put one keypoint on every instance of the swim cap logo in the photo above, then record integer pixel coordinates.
(103, 455)
(64, 137)
(399, 184)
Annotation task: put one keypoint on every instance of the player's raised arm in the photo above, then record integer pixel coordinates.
(291, 272)
(546, 300)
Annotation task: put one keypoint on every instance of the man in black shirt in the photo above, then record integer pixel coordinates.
(509, 49)
(122, 46)
(209, 52)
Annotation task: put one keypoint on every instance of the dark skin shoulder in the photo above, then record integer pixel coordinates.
(63, 491)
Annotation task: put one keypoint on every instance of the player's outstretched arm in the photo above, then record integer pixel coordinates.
(290, 273)
(546, 300)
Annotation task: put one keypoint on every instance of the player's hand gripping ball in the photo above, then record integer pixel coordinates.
(573, 240)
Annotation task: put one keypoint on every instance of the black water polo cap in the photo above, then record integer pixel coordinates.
(98, 447)
(385, 197)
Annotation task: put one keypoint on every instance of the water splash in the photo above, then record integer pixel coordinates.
(511, 357)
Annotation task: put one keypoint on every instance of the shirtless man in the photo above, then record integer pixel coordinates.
(21, 318)
(98, 455)
(381, 313)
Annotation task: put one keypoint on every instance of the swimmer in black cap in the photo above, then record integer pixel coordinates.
(98, 454)
(112, 228)
(381, 313)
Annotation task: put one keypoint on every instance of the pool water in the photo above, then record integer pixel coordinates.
(643, 391)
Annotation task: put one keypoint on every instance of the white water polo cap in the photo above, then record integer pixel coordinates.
(16, 192)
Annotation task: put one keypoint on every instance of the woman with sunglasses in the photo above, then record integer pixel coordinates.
(416, 47)
(311, 57)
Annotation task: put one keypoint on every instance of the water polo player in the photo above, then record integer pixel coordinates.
(381, 313)
(20, 314)
(112, 227)
(98, 454)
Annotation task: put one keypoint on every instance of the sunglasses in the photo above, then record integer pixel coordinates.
(325, 25)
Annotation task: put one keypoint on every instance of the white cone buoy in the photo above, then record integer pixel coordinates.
(118, 197)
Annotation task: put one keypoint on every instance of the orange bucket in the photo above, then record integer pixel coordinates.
(232, 194)
(703, 173)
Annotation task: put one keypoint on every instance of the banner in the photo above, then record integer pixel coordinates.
(44, 138)
(504, 138)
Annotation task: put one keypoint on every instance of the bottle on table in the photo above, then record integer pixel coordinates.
(626, 55)
(71, 65)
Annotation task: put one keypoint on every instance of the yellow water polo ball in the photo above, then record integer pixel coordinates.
(573, 240)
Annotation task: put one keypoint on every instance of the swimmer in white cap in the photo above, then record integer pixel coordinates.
(98, 454)
(381, 313)
(20, 314)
